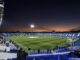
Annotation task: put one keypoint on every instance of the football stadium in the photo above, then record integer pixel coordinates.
(39, 46)
(55, 36)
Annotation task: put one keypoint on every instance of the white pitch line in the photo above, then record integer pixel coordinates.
(60, 53)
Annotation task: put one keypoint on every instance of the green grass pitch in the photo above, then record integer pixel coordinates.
(39, 42)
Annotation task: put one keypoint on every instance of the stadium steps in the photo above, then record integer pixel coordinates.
(4, 55)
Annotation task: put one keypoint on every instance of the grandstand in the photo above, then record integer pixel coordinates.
(64, 35)
(15, 41)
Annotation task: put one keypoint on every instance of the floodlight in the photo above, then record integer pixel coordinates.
(32, 26)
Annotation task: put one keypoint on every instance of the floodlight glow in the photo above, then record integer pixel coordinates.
(32, 26)
(33, 37)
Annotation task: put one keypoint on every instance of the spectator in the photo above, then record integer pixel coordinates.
(7, 43)
(21, 54)
(24, 54)
(4, 41)
(38, 50)
(29, 48)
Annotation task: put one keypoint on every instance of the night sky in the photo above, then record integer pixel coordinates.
(60, 15)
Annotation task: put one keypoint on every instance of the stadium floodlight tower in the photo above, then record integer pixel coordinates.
(32, 26)
(1, 11)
